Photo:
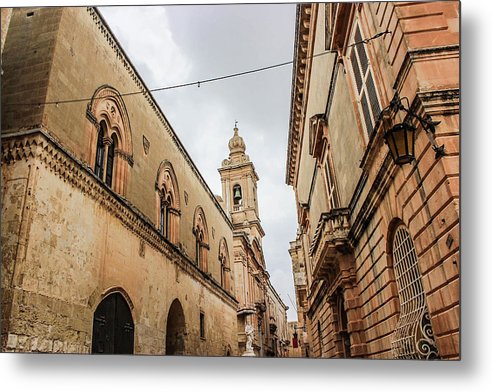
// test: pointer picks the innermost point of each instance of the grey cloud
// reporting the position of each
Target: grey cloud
(199, 42)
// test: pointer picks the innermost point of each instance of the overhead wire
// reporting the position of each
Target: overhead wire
(198, 82)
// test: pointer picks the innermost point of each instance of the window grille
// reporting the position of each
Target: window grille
(413, 337)
(364, 82)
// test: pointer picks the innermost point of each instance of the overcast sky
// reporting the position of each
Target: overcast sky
(178, 44)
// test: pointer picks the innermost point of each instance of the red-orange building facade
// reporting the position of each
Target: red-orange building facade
(377, 253)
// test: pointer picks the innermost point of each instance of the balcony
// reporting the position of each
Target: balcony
(330, 241)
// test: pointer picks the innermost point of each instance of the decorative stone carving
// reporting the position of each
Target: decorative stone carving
(250, 335)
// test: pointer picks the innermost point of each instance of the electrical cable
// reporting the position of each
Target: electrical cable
(198, 83)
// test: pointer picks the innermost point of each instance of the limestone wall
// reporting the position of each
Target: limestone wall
(79, 245)
(75, 54)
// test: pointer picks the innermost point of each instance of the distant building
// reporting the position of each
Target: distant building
(112, 242)
(376, 258)
(259, 304)
(297, 348)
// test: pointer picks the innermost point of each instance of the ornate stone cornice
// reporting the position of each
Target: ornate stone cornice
(302, 37)
(38, 145)
(424, 54)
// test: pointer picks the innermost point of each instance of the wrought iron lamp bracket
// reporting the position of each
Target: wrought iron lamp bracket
(426, 122)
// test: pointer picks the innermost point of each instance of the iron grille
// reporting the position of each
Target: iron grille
(413, 337)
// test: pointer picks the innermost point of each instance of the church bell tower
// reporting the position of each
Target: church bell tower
(239, 190)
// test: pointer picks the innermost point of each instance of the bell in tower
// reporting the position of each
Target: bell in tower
(237, 195)
(239, 191)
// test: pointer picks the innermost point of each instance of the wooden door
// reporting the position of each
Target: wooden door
(113, 328)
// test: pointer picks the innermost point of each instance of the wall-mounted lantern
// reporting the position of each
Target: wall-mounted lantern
(400, 137)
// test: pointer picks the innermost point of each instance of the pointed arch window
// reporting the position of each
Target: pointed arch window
(111, 149)
(110, 161)
(225, 270)
(200, 232)
(413, 337)
(167, 202)
(99, 165)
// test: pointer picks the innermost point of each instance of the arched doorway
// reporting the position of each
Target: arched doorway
(112, 327)
(175, 330)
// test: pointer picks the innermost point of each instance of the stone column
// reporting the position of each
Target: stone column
(107, 141)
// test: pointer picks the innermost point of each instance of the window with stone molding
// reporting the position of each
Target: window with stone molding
(167, 202)
(413, 337)
(363, 81)
(111, 147)
(224, 261)
(200, 231)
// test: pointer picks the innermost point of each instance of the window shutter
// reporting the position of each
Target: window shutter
(364, 81)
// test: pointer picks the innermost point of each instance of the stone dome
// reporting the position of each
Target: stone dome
(236, 144)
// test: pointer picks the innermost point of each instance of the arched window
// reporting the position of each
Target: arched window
(110, 160)
(237, 195)
(225, 270)
(167, 199)
(413, 337)
(111, 148)
(200, 231)
(99, 165)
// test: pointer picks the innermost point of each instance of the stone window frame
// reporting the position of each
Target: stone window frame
(108, 121)
(200, 231)
(225, 268)
(167, 199)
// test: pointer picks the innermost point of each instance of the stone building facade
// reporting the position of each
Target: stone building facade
(376, 258)
(259, 304)
(112, 242)
(277, 336)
